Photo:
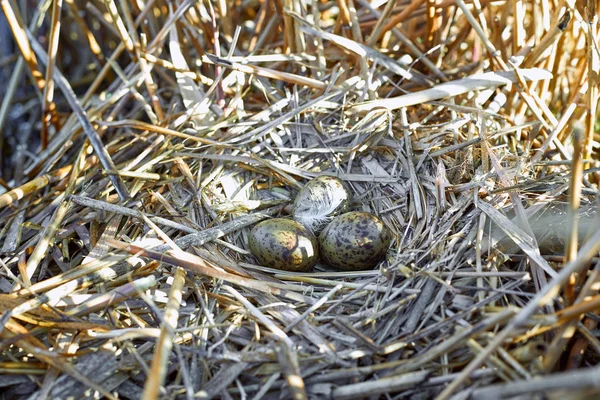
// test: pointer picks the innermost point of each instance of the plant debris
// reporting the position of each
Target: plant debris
(140, 142)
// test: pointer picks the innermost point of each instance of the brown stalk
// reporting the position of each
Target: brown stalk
(15, 22)
(158, 368)
(75, 12)
(398, 19)
(17, 27)
(35, 184)
(376, 33)
(571, 243)
(593, 57)
(548, 40)
(49, 108)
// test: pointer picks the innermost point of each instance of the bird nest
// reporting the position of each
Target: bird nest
(141, 141)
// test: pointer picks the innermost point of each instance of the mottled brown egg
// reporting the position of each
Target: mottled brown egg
(321, 199)
(354, 241)
(284, 244)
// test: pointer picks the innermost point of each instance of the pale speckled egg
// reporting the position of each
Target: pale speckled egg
(354, 241)
(284, 244)
(321, 199)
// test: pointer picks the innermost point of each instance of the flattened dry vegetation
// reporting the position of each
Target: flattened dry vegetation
(140, 141)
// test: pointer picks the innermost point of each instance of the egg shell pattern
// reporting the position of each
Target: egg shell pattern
(354, 241)
(284, 244)
(319, 201)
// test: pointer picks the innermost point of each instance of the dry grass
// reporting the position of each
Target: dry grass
(141, 140)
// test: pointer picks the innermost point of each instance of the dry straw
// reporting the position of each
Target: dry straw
(140, 141)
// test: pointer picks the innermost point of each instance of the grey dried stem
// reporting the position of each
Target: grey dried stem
(142, 141)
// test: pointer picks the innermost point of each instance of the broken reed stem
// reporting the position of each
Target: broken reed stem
(518, 31)
(160, 360)
(400, 17)
(578, 309)
(383, 17)
(49, 108)
(574, 203)
(548, 40)
(36, 184)
(15, 22)
(119, 25)
(582, 342)
(593, 79)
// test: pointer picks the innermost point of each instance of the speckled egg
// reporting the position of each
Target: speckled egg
(354, 241)
(319, 201)
(284, 244)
